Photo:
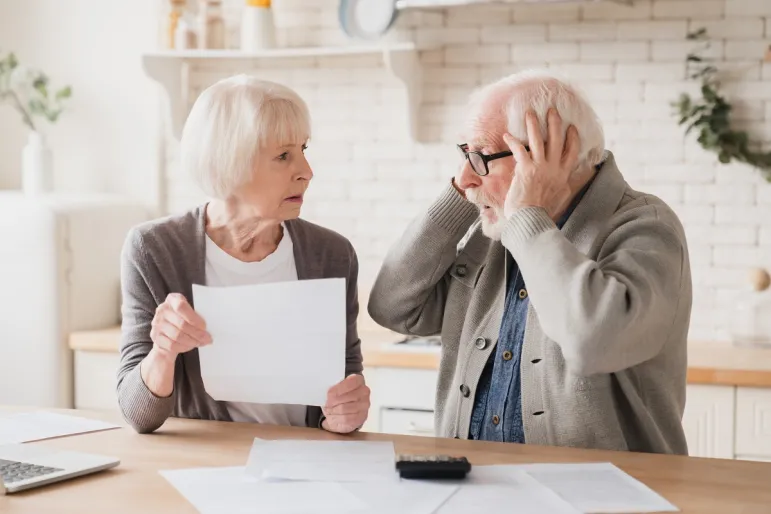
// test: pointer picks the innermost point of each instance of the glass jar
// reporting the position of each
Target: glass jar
(211, 25)
(176, 11)
(751, 317)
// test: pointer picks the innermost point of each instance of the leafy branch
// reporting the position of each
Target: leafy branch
(710, 114)
(28, 91)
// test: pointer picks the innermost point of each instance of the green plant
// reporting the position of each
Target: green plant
(710, 114)
(27, 90)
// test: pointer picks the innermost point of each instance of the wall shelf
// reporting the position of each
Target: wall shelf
(442, 4)
(171, 69)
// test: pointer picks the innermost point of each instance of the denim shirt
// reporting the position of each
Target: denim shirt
(497, 413)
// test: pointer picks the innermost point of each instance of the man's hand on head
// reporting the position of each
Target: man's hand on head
(542, 177)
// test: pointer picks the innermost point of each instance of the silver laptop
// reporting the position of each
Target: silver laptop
(24, 466)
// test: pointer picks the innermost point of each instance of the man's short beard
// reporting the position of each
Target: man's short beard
(493, 230)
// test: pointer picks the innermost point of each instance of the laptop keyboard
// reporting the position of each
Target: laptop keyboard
(12, 471)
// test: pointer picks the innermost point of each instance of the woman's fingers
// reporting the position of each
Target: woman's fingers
(351, 397)
(348, 409)
(176, 327)
(345, 386)
(181, 342)
(163, 342)
(199, 335)
(179, 304)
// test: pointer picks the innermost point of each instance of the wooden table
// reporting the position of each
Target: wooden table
(694, 485)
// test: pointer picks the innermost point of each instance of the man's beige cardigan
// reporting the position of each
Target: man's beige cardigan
(604, 356)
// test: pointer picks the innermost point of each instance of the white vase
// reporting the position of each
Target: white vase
(37, 172)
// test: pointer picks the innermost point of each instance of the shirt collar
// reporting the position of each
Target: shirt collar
(577, 199)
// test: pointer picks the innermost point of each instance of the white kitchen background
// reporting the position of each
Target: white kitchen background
(372, 177)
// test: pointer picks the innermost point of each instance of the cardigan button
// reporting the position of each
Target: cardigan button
(480, 343)
(460, 270)
(465, 391)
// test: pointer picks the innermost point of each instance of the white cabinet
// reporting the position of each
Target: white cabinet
(96, 380)
(720, 421)
(709, 420)
(402, 400)
(60, 273)
(407, 422)
(753, 423)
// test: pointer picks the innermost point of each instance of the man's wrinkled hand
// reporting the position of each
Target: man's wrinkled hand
(542, 178)
(347, 405)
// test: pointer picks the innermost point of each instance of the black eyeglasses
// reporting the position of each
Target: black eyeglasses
(478, 160)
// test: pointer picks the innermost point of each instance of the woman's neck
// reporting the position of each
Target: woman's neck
(241, 232)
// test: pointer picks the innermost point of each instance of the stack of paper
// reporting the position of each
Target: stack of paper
(285, 477)
(34, 426)
(327, 461)
(352, 477)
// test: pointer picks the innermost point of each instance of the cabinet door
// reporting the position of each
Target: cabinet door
(407, 422)
(753, 422)
(709, 420)
(403, 388)
(95, 380)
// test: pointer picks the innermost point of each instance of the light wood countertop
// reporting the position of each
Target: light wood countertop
(713, 363)
(694, 485)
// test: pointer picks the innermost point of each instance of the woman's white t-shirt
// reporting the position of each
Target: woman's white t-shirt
(224, 270)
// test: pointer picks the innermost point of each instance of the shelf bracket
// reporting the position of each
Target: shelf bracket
(173, 75)
(405, 66)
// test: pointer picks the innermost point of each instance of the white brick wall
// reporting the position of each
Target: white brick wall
(371, 179)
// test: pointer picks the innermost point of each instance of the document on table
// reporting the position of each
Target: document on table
(404, 497)
(227, 489)
(500, 487)
(281, 343)
(598, 488)
(34, 426)
(331, 461)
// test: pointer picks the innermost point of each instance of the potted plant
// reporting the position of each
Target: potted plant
(28, 91)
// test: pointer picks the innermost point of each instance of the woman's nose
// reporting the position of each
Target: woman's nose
(306, 173)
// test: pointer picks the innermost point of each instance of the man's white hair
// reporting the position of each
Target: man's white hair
(228, 125)
(538, 90)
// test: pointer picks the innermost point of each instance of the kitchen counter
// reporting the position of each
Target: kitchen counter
(714, 363)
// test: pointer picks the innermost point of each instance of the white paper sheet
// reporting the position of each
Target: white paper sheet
(34, 426)
(404, 497)
(598, 488)
(279, 343)
(227, 490)
(496, 488)
(334, 461)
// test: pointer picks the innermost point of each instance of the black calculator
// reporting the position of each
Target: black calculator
(432, 466)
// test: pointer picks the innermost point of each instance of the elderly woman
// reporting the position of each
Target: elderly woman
(244, 143)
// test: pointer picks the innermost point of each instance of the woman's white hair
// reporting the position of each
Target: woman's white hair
(538, 90)
(229, 123)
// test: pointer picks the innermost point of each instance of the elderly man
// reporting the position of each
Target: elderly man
(562, 295)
